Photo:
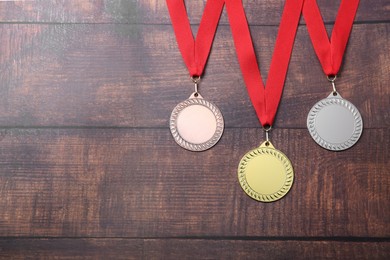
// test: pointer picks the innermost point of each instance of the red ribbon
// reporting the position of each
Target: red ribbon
(195, 52)
(330, 53)
(265, 100)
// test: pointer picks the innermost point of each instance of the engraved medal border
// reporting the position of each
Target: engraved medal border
(218, 117)
(334, 100)
(288, 171)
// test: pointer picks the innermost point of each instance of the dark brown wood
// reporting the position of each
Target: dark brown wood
(241, 249)
(72, 249)
(89, 170)
(133, 76)
(155, 12)
(189, 249)
(138, 182)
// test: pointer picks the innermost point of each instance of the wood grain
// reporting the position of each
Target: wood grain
(189, 249)
(133, 76)
(71, 249)
(265, 12)
(89, 170)
(138, 182)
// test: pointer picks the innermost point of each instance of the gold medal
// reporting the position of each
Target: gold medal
(265, 173)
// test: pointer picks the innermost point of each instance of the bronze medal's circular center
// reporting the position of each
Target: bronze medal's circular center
(196, 124)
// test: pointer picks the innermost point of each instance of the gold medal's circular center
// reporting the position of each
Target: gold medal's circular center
(196, 124)
(265, 174)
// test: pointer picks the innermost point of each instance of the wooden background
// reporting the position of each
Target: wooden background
(89, 169)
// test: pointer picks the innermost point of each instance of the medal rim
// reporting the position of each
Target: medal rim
(329, 101)
(188, 145)
(289, 172)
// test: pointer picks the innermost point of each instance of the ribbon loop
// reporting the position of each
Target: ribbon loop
(265, 99)
(330, 52)
(195, 51)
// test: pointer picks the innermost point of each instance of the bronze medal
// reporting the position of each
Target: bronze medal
(196, 124)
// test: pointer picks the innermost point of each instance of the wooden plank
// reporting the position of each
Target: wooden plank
(89, 170)
(139, 183)
(133, 76)
(71, 249)
(238, 249)
(189, 249)
(155, 11)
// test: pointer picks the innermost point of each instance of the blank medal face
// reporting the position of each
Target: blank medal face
(265, 174)
(335, 123)
(196, 124)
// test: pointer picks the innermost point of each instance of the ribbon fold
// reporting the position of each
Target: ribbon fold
(330, 52)
(195, 51)
(265, 99)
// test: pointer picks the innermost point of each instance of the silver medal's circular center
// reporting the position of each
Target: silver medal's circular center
(196, 124)
(335, 123)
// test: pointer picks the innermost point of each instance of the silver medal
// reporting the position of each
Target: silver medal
(335, 123)
(196, 124)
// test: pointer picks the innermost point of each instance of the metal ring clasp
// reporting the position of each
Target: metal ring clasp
(267, 128)
(196, 80)
(332, 79)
